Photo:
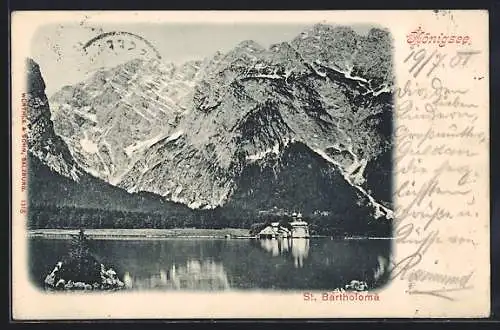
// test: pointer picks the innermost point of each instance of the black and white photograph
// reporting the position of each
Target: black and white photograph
(210, 157)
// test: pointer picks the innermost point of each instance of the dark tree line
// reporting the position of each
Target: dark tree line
(66, 217)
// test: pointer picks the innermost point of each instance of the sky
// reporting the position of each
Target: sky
(58, 49)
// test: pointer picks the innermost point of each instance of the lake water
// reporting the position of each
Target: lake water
(219, 264)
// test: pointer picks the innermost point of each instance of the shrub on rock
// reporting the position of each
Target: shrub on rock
(80, 270)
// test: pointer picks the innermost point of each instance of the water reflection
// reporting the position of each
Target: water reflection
(381, 268)
(208, 264)
(300, 251)
(195, 274)
(299, 248)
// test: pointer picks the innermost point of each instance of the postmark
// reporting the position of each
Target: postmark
(116, 43)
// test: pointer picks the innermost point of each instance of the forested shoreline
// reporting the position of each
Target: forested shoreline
(67, 217)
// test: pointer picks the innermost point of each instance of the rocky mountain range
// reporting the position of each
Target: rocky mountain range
(56, 179)
(110, 118)
(302, 126)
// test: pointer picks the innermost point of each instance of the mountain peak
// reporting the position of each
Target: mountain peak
(34, 77)
(281, 46)
(250, 45)
(43, 143)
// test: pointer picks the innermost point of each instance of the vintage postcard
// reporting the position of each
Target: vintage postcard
(253, 164)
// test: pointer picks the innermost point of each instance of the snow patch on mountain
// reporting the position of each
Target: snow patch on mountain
(89, 146)
(142, 145)
(175, 136)
(275, 149)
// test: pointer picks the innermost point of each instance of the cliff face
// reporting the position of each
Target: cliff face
(252, 102)
(43, 142)
(55, 179)
(110, 118)
(303, 126)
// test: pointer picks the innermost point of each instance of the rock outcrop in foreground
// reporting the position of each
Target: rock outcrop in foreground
(80, 270)
(109, 280)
